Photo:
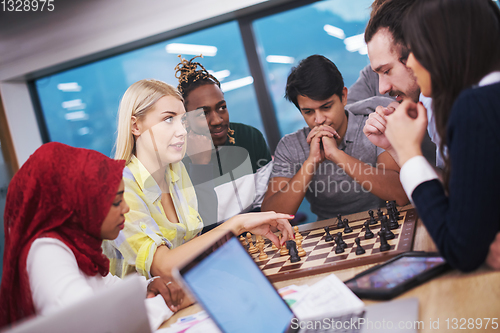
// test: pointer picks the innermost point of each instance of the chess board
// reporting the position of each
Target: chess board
(321, 257)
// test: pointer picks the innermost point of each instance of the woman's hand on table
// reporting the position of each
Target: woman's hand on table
(171, 292)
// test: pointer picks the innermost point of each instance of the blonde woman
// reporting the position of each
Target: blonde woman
(163, 221)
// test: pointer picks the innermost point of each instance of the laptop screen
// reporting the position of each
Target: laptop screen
(236, 293)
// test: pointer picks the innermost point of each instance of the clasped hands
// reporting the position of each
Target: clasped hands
(398, 128)
(322, 143)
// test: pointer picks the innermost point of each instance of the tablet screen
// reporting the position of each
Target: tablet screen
(395, 273)
(236, 293)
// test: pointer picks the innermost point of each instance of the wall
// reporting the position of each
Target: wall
(35, 43)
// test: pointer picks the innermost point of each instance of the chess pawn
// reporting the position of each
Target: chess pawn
(340, 224)
(372, 218)
(243, 241)
(340, 240)
(251, 248)
(284, 250)
(380, 214)
(368, 233)
(385, 228)
(359, 249)
(347, 228)
(273, 247)
(300, 250)
(262, 255)
(328, 237)
(384, 246)
(297, 233)
(339, 248)
(258, 239)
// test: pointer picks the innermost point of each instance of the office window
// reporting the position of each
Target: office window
(80, 105)
(333, 28)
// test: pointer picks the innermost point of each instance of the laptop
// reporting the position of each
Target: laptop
(232, 289)
(120, 309)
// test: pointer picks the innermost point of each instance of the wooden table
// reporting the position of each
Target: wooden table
(452, 298)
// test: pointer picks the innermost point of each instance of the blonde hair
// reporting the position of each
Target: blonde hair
(137, 101)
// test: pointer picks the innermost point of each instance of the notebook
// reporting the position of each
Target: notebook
(120, 309)
(232, 289)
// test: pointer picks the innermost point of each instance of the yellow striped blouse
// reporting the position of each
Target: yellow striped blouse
(146, 224)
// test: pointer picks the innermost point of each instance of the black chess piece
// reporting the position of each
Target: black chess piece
(388, 206)
(328, 237)
(339, 248)
(394, 209)
(292, 250)
(347, 228)
(392, 205)
(380, 214)
(359, 249)
(384, 246)
(393, 221)
(368, 233)
(340, 240)
(340, 224)
(372, 218)
(391, 211)
(387, 231)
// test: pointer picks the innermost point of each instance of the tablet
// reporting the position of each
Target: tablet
(397, 275)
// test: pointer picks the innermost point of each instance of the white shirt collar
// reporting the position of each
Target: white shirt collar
(491, 78)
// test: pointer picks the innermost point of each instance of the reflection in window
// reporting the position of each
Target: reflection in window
(333, 28)
(80, 105)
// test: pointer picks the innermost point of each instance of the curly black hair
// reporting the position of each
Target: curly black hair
(190, 77)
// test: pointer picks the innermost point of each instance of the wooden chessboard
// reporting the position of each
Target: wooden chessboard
(321, 257)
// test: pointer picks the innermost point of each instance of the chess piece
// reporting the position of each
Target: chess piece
(380, 214)
(297, 233)
(339, 248)
(393, 221)
(300, 250)
(394, 210)
(347, 228)
(384, 246)
(340, 224)
(251, 248)
(258, 239)
(283, 251)
(292, 249)
(243, 241)
(273, 247)
(372, 218)
(368, 233)
(359, 249)
(387, 231)
(328, 237)
(262, 255)
(340, 240)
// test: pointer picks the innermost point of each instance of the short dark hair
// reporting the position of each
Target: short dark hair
(390, 14)
(315, 77)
